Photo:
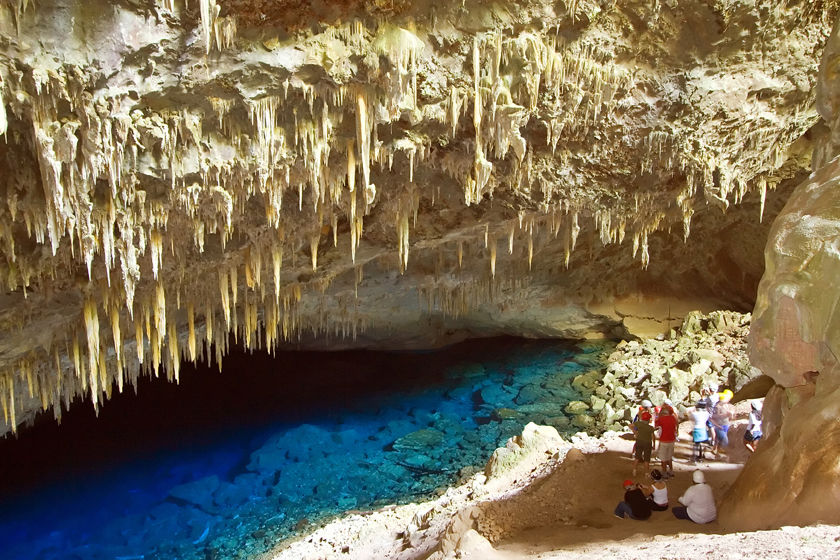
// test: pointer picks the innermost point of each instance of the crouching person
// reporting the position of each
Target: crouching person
(635, 505)
(698, 502)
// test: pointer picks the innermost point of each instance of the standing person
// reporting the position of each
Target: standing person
(667, 422)
(698, 502)
(699, 432)
(711, 400)
(753, 433)
(721, 416)
(635, 504)
(644, 441)
(657, 493)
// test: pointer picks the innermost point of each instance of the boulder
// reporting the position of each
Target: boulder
(420, 439)
(576, 407)
(199, 493)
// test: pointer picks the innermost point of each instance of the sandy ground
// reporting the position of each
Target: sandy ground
(565, 509)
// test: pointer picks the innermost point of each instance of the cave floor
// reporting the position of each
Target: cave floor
(593, 532)
(565, 511)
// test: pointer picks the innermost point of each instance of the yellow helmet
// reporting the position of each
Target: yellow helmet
(726, 395)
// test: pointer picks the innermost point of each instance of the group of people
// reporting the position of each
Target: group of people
(711, 418)
(640, 501)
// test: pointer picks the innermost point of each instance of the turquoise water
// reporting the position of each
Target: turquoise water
(244, 459)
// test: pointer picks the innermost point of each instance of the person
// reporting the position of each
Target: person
(645, 406)
(721, 416)
(698, 502)
(644, 441)
(699, 432)
(711, 399)
(753, 433)
(667, 423)
(657, 493)
(635, 505)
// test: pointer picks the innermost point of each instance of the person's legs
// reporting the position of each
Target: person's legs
(666, 455)
(646, 451)
(656, 507)
(623, 508)
(750, 441)
(722, 441)
(681, 513)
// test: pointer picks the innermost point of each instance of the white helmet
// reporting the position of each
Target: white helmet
(698, 477)
(646, 403)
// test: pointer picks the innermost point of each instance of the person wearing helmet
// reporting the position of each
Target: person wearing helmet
(657, 493)
(669, 425)
(711, 399)
(635, 505)
(753, 433)
(698, 502)
(645, 438)
(699, 432)
(721, 415)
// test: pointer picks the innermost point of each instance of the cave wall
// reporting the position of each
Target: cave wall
(339, 174)
(794, 477)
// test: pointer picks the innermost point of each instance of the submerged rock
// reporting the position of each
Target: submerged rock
(199, 493)
(421, 439)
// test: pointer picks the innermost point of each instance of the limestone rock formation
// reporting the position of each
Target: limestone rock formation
(372, 173)
(794, 477)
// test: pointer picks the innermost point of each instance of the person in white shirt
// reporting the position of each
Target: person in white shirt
(753, 433)
(700, 431)
(698, 502)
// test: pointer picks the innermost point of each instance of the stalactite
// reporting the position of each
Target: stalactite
(92, 329)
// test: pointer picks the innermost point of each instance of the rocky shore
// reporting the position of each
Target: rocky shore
(705, 349)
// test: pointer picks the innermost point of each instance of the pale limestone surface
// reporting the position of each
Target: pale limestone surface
(381, 174)
(794, 477)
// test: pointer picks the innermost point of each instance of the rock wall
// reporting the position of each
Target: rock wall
(794, 477)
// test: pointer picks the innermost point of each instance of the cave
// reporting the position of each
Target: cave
(273, 269)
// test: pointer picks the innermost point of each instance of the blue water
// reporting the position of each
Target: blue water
(245, 459)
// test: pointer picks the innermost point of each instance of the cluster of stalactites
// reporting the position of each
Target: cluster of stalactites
(293, 144)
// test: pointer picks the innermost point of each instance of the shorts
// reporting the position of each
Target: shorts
(700, 435)
(666, 451)
(643, 449)
(722, 435)
(750, 436)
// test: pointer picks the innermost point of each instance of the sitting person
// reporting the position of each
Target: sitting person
(698, 502)
(657, 493)
(635, 505)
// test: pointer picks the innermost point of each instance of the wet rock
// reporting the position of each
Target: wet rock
(500, 414)
(576, 407)
(548, 409)
(230, 495)
(199, 492)
(420, 439)
(497, 395)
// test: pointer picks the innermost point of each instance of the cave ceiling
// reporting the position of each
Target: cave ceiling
(333, 173)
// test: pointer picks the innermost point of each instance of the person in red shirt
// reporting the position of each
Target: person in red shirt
(667, 420)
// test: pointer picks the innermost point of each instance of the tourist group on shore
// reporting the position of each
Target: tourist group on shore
(710, 417)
